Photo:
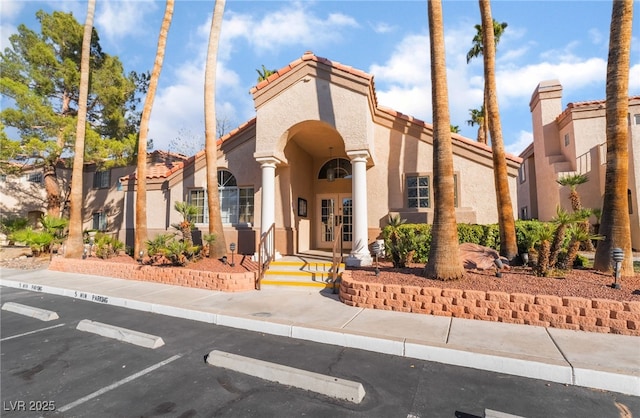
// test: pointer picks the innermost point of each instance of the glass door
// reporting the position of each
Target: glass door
(332, 210)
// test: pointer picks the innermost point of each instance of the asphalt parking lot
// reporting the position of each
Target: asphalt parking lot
(52, 369)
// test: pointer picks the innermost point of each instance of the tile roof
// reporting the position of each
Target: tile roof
(161, 164)
(166, 169)
(171, 162)
(588, 103)
(310, 56)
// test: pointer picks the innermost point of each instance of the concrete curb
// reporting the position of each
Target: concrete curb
(564, 373)
(285, 375)
(37, 313)
(120, 334)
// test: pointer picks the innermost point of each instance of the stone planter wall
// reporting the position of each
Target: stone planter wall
(180, 276)
(595, 315)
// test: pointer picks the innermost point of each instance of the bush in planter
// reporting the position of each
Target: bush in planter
(38, 241)
(209, 239)
(107, 246)
(10, 225)
(57, 227)
(177, 252)
(406, 242)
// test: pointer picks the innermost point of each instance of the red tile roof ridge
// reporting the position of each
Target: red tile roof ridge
(310, 56)
(454, 136)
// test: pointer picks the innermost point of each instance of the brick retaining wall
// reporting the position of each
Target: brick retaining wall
(595, 315)
(180, 276)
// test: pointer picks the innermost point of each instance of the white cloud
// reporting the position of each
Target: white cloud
(10, 9)
(596, 37)
(382, 27)
(117, 20)
(180, 105)
(634, 79)
(524, 139)
(292, 25)
(515, 84)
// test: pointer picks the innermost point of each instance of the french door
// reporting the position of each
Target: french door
(332, 210)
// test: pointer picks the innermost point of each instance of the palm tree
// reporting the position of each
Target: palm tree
(615, 225)
(141, 173)
(264, 73)
(545, 235)
(573, 181)
(75, 241)
(475, 51)
(477, 118)
(219, 247)
(188, 212)
(506, 221)
(444, 255)
(562, 220)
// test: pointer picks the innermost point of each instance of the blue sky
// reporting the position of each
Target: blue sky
(564, 40)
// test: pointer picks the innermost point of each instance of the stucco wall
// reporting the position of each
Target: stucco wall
(311, 98)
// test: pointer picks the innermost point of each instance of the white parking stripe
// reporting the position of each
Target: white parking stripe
(30, 332)
(118, 383)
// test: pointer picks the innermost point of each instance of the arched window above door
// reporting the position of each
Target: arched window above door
(336, 168)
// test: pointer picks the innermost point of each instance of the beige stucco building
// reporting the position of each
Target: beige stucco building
(568, 141)
(321, 150)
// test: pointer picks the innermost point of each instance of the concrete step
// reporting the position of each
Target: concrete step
(313, 266)
(280, 282)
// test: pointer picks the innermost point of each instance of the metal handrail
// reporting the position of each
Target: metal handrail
(336, 259)
(266, 253)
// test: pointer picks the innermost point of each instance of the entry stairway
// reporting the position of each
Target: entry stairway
(311, 269)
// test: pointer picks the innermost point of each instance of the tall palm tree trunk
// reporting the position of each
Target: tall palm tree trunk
(74, 242)
(506, 221)
(615, 224)
(141, 173)
(444, 255)
(219, 246)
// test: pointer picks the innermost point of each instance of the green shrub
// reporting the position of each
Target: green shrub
(406, 242)
(178, 252)
(107, 246)
(10, 225)
(38, 241)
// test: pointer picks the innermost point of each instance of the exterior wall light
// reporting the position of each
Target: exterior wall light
(377, 249)
(499, 266)
(232, 247)
(617, 255)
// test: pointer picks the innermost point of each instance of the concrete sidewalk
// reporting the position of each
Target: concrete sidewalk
(600, 361)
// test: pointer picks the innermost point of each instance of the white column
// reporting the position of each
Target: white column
(268, 203)
(360, 255)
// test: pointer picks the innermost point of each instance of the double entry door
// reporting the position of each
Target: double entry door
(334, 209)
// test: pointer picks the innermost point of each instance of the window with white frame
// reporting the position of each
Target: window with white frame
(100, 221)
(197, 198)
(101, 179)
(524, 212)
(418, 192)
(236, 203)
(636, 118)
(522, 172)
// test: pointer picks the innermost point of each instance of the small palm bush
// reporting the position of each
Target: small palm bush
(107, 246)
